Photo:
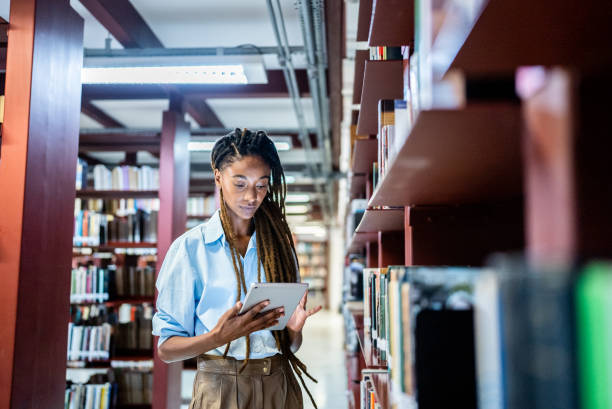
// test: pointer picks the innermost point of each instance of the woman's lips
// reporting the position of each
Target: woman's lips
(249, 209)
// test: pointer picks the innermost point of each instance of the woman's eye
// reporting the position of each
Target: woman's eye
(262, 187)
(240, 186)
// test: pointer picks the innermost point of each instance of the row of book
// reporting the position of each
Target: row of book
(120, 329)
(504, 336)
(135, 387)
(201, 206)
(125, 178)
(313, 271)
(88, 343)
(390, 138)
(95, 229)
(307, 259)
(385, 53)
(89, 283)
(89, 396)
(117, 207)
(310, 247)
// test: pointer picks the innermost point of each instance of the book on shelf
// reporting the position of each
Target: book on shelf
(95, 229)
(385, 53)
(135, 386)
(134, 281)
(88, 343)
(201, 206)
(81, 174)
(89, 396)
(125, 178)
(386, 123)
(90, 283)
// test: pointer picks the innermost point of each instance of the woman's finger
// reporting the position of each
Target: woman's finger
(314, 310)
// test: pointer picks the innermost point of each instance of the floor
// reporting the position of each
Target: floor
(322, 351)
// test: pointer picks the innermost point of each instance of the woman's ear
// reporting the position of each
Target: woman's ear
(217, 178)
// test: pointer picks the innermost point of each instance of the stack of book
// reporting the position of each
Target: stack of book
(390, 138)
(125, 178)
(89, 283)
(383, 53)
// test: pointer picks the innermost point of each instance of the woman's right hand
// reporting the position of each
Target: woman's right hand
(232, 326)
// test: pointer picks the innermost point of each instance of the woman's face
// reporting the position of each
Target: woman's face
(245, 184)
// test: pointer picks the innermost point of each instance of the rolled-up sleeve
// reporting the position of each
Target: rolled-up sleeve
(175, 307)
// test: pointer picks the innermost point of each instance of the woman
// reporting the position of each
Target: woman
(206, 273)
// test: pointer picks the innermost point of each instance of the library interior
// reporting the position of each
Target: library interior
(441, 188)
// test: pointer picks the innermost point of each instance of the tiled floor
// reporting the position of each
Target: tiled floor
(323, 353)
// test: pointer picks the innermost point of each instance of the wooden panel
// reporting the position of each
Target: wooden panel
(357, 186)
(37, 173)
(377, 220)
(173, 192)
(372, 253)
(116, 194)
(381, 80)
(463, 235)
(363, 22)
(391, 248)
(365, 153)
(361, 56)
(359, 241)
(456, 156)
(547, 32)
(392, 23)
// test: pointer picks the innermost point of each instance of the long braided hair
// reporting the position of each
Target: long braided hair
(275, 246)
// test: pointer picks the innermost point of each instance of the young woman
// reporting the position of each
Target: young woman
(208, 270)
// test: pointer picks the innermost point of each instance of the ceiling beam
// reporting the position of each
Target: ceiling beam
(124, 22)
(99, 116)
(275, 88)
(202, 113)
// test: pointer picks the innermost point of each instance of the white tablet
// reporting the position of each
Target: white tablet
(286, 295)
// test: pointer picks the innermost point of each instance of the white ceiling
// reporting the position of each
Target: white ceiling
(197, 23)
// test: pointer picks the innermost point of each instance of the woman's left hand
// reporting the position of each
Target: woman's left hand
(298, 319)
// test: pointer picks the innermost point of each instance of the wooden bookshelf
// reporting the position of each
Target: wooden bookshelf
(392, 23)
(358, 241)
(111, 245)
(507, 35)
(381, 80)
(375, 220)
(363, 22)
(361, 56)
(357, 184)
(456, 156)
(117, 194)
(364, 154)
(199, 216)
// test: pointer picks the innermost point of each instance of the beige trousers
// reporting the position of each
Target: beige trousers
(267, 383)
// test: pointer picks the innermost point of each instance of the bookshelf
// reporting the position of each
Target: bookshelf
(116, 194)
(512, 162)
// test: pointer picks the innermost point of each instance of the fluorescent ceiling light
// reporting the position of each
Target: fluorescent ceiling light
(281, 143)
(174, 69)
(289, 179)
(297, 218)
(297, 198)
(203, 74)
(297, 209)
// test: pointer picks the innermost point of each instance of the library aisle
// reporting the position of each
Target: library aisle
(439, 169)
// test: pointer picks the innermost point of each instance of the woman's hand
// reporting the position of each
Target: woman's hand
(298, 319)
(232, 326)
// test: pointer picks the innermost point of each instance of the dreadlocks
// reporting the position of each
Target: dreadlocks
(275, 247)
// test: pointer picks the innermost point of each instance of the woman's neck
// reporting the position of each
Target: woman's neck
(240, 227)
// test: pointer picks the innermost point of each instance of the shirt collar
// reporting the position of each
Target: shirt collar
(213, 231)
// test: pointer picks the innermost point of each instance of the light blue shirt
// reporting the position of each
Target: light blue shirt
(197, 284)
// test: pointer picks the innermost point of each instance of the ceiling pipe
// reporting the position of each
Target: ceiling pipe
(284, 57)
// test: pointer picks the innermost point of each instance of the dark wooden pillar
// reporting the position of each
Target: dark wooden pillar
(37, 183)
(173, 191)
